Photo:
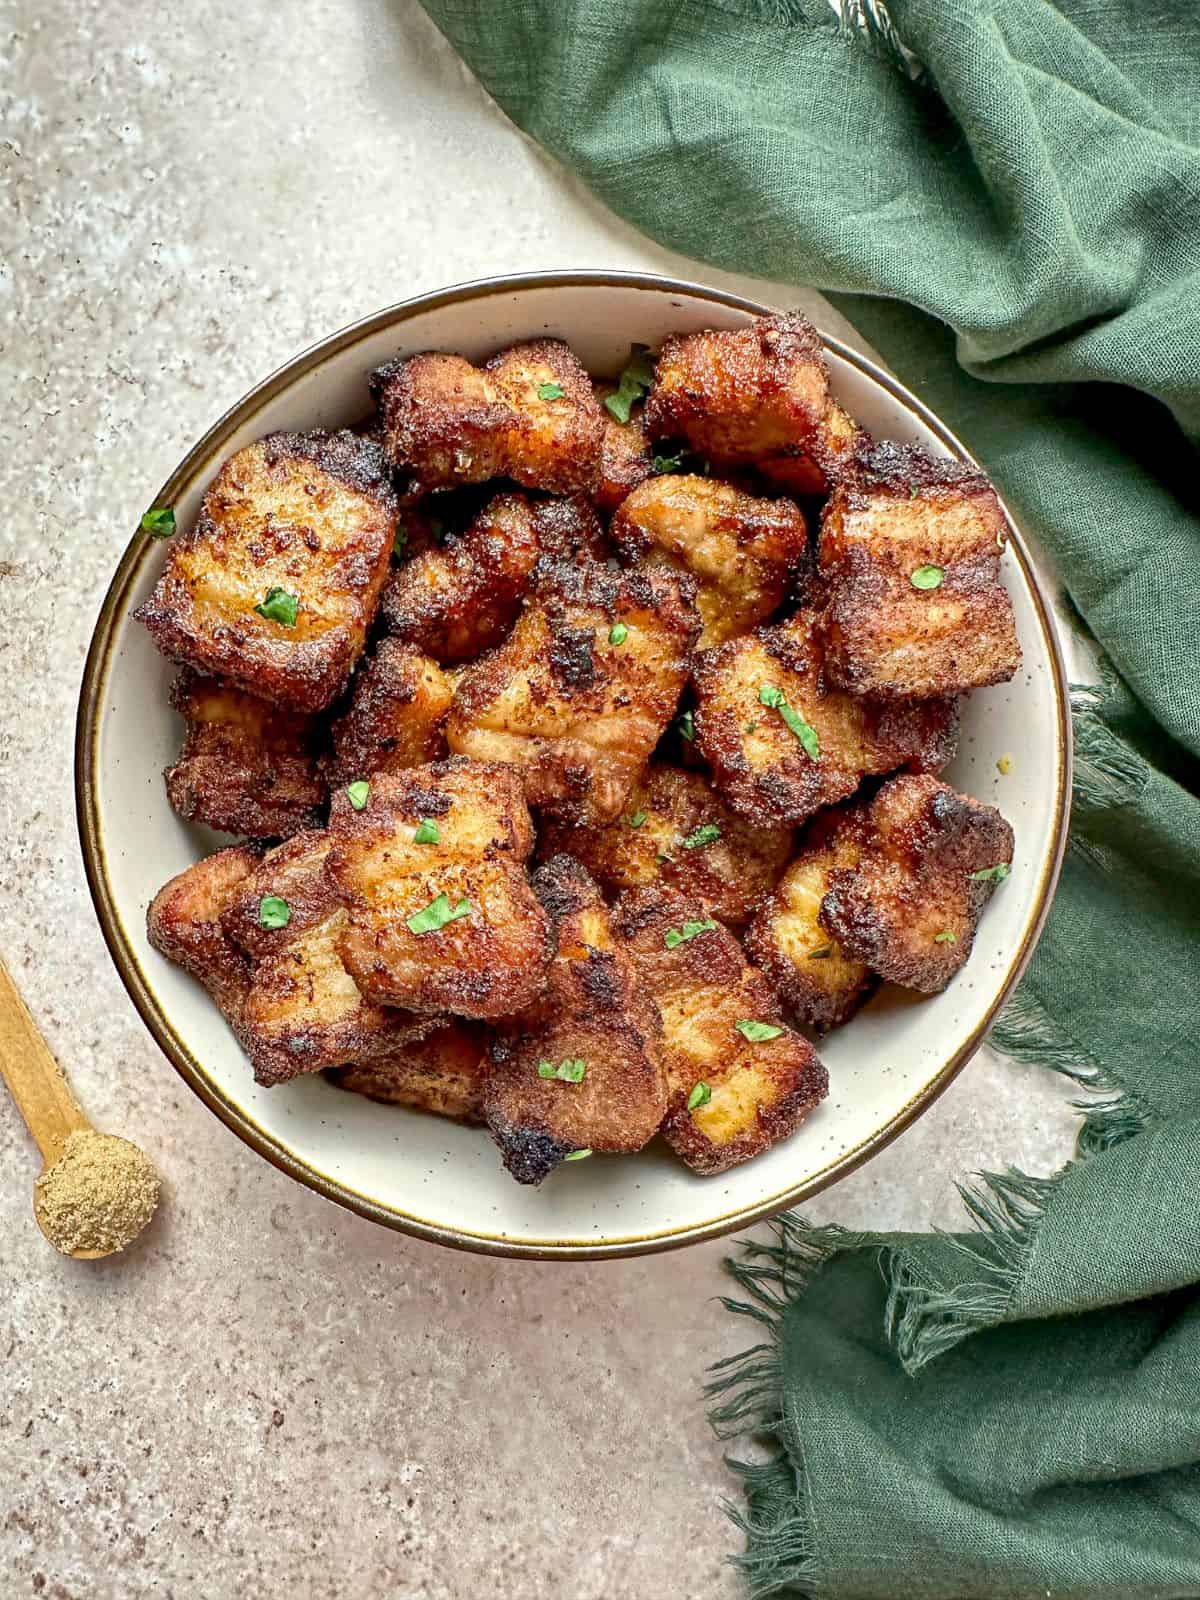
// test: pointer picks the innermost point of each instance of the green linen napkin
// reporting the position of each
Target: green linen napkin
(1008, 207)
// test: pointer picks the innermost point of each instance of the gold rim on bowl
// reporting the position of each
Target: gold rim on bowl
(146, 1001)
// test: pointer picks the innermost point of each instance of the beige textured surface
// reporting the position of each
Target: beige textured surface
(269, 1396)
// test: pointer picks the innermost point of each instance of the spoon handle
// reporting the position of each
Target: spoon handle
(34, 1078)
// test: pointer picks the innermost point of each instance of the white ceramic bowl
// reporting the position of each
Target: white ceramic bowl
(431, 1177)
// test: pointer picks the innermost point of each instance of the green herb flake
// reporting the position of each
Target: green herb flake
(821, 953)
(578, 1155)
(996, 874)
(1004, 766)
(273, 912)
(772, 696)
(674, 937)
(618, 633)
(399, 540)
(550, 391)
(757, 1032)
(687, 726)
(633, 383)
(663, 856)
(945, 937)
(279, 606)
(159, 522)
(636, 820)
(664, 464)
(427, 832)
(707, 833)
(700, 1096)
(437, 914)
(358, 794)
(928, 577)
(570, 1071)
(750, 727)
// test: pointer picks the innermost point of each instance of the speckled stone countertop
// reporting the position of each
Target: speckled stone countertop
(269, 1395)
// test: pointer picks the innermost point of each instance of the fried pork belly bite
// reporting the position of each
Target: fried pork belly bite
(456, 601)
(246, 767)
(675, 829)
(275, 586)
(806, 745)
(302, 1011)
(431, 872)
(183, 923)
(751, 1081)
(930, 860)
(625, 455)
(910, 548)
(758, 397)
(444, 1074)
(583, 1069)
(741, 549)
(528, 414)
(819, 984)
(580, 691)
(396, 717)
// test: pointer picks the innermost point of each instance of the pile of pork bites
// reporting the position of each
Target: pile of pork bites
(599, 724)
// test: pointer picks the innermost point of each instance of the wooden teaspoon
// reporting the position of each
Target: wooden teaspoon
(53, 1116)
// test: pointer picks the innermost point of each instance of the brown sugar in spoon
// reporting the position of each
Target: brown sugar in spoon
(96, 1192)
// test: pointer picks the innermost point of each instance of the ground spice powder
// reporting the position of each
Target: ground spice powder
(98, 1195)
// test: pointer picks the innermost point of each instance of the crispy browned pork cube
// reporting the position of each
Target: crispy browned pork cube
(580, 691)
(528, 414)
(456, 601)
(275, 586)
(396, 717)
(676, 829)
(246, 767)
(444, 1074)
(302, 1011)
(738, 1077)
(625, 455)
(431, 871)
(740, 549)
(583, 1069)
(910, 548)
(782, 742)
(930, 859)
(183, 923)
(755, 397)
(819, 984)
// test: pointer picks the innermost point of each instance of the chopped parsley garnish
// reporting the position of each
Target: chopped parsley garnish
(636, 820)
(674, 937)
(570, 1071)
(757, 1031)
(750, 727)
(279, 606)
(996, 874)
(273, 912)
(821, 953)
(706, 833)
(159, 522)
(700, 1096)
(437, 914)
(926, 577)
(687, 726)
(1004, 766)
(578, 1155)
(358, 793)
(550, 391)
(427, 832)
(771, 695)
(663, 464)
(618, 633)
(399, 540)
(633, 383)
(945, 937)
